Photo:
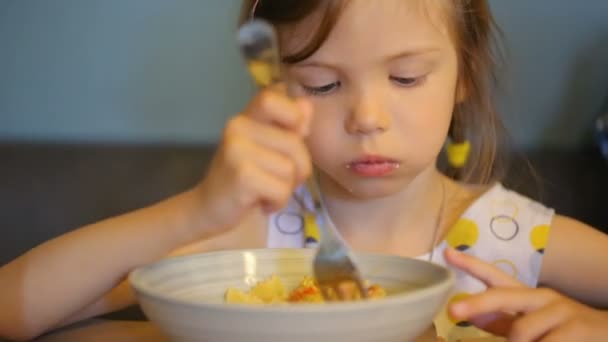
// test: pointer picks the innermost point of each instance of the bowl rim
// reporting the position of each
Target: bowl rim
(135, 276)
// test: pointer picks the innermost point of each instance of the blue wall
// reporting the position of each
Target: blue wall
(558, 69)
(168, 70)
(129, 70)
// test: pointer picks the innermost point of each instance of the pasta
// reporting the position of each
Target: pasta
(273, 291)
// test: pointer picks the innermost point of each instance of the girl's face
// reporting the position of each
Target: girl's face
(383, 87)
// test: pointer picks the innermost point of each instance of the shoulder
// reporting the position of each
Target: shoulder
(567, 231)
(571, 240)
(564, 225)
(495, 202)
(575, 261)
(504, 228)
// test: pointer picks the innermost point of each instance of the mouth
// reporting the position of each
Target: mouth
(373, 166)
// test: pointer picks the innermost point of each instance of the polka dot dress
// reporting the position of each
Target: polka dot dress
(501, 227)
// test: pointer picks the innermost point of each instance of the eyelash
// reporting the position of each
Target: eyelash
(322, 90)
(406, 82)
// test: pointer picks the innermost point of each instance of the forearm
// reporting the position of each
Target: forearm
(120, 297)
(55, 280)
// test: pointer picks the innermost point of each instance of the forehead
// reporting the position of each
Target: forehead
(368, 27)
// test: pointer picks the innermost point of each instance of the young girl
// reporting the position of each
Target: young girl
(380, 85)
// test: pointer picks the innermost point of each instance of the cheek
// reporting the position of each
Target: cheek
(423, 137)
(424, 117)
(323, 150)
(432, 116)
(434, 105)
(327, 121)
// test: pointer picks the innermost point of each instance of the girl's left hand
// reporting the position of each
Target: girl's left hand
(509, 308)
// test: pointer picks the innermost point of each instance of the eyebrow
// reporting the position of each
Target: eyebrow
(412, 53)
(399, 55)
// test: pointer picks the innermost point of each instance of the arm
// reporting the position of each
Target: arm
(576, 261)
(250, 233)
(60, 277)
(260, 160)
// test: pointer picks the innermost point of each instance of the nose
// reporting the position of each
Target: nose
(368, 116)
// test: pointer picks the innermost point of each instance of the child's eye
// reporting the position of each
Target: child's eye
(322, 90)
(407, 81)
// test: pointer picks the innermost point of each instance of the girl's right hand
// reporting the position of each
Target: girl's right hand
(261, 160)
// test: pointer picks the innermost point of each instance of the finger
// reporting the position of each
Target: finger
(275, 107)
(270, 161)
(250, 179)
(488, 274)
(277, 165)
(570, 331)
(286, 143)
(259, 187)
(274, 163)
(497, 323)
(506, 300)
(306, 109)
(536, 324)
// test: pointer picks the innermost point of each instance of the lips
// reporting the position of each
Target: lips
(373, 166)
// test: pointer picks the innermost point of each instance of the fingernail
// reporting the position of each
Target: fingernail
(458, 309)
(454, 251)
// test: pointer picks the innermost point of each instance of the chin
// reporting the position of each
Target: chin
(370, 188)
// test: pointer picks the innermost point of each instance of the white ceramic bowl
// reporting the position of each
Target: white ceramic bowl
(184, 297)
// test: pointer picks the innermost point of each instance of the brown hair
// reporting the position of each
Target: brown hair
(474, 118)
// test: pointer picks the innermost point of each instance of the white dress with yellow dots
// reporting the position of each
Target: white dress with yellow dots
(501, 227)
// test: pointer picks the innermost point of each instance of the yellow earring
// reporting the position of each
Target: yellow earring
(458, 153)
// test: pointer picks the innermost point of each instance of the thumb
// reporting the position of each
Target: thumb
(306, 109)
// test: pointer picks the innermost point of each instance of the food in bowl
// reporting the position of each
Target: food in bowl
(273, 291)
(185, 297)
